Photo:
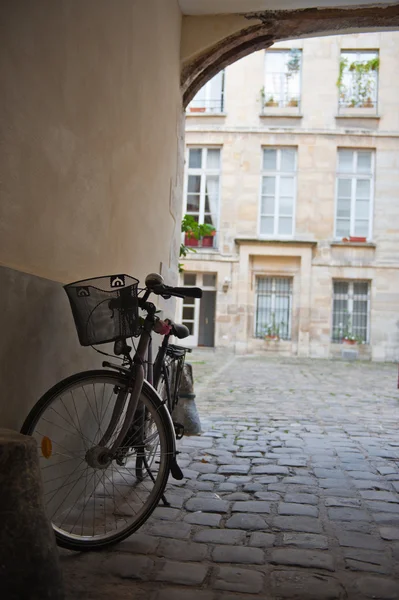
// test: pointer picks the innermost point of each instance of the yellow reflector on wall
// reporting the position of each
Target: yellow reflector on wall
(47, 447)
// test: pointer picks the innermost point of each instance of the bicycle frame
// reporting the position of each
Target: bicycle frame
(135, 384)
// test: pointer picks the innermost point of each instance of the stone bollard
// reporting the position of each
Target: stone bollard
(29, 566)
(186, 411)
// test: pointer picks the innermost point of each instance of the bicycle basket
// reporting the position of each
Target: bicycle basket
(104, 309)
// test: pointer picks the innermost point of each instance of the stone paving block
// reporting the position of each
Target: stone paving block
(359, 540)
(270, 470)
(292, 462)
(386, 519)
(239, 580)
(129, 567)
(301, 480)
(306, 510)
(203, 486)
(184, 551)
(238, 554)
(377, 587)
(270, 496)
(301, 498)
(212, 477)
(166, 513)
(302, 558)
(227, 487)
(170, 529)
(237, 496)
(262, 540)
(300, 585)
(200, 518)
(264, 481)
(239, 479)
(251, 506)
(329, 473)
(238, 469)
(303, 524)
(347, 514)
(306, 540)
(247, 522)
(367, 560)
(389, 533)
(380, 495)
(366, 484)
(213, 505)
(343, 502)
(220, 536)
(182, 572)
(377, 506)
(139, 543)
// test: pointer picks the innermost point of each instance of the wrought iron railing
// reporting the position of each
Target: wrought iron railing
(210, 105)
(284, 100)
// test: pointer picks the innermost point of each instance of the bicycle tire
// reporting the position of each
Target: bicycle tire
(72, 539)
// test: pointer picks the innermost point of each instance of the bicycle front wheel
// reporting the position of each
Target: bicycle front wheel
(94, 505)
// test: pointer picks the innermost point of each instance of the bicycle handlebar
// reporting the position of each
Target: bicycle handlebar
(180, 292)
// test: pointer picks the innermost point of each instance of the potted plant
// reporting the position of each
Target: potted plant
(348, 337)
(197, 109)
(293, 102)
(272, 329)
(271, 102)
(207, 240)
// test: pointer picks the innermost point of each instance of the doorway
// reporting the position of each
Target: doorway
(199, 314)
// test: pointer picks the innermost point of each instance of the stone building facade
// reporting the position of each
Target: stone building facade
(293, 157)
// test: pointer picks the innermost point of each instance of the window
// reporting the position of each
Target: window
(358, 79)
(210, 98)
(203, 182)
(273, 307)
(278, 192)
(354, 194)
(351, 307)
(282, 78)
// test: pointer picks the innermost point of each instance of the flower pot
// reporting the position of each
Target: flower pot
(271, 103)
(273, 338)
(349, 342)
(197, 109)
(368, 104)
(357, 239)
(207, 241)
(293, 103)
(190, 241)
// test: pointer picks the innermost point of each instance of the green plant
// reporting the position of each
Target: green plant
(262, 95)
(347, 331)
(195, 230)
(294, 62)
(363, 80)
(272, 329)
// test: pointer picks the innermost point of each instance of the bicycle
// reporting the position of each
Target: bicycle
(105, 438)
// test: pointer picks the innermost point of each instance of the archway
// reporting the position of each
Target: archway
(274, 26)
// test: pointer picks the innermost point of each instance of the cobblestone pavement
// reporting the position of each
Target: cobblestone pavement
(291, 492)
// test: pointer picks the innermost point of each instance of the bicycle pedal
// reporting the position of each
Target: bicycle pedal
(179, 430)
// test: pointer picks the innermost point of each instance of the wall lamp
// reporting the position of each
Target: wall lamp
(226, 284)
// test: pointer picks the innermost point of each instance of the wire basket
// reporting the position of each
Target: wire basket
(105, 309)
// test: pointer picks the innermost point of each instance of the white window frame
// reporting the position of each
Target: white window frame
(283, 102)
(208, 97)
(203, 172)
(351, 294)
(357, 57)
(273, 300)
(278, 174)
(354, 175)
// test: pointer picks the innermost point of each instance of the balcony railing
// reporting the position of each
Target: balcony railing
(210, 105)
(347, 104)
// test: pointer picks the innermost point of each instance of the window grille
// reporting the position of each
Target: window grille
(351, 308)
(273, 307)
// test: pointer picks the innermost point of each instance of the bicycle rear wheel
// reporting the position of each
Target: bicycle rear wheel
(93, 506)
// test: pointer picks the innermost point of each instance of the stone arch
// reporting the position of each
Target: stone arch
(280, 25)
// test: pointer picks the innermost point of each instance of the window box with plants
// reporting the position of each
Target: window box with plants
(195, 234)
